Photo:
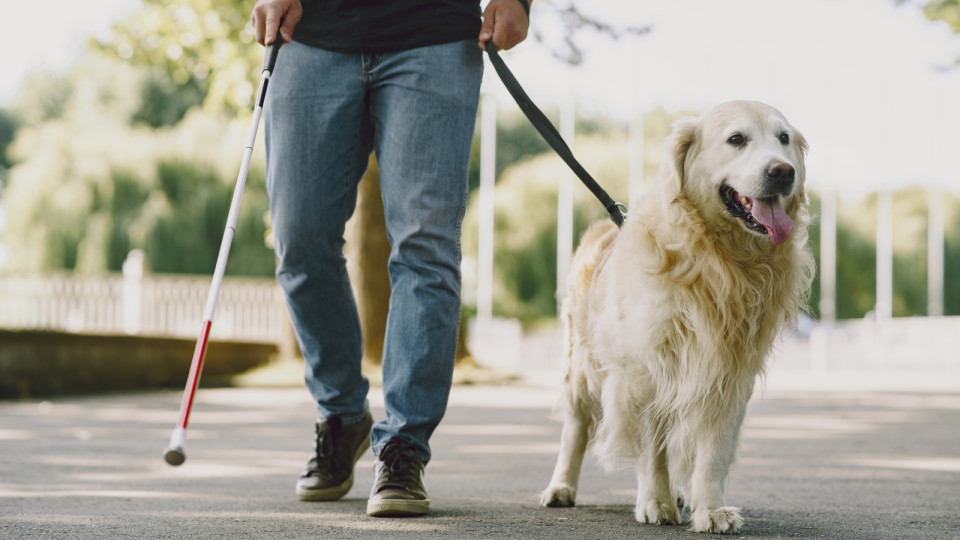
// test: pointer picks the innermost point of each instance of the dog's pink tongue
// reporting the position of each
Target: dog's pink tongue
(771, 215)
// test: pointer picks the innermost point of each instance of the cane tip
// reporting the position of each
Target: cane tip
(174, 456)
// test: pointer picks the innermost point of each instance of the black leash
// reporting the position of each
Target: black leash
(616, 210)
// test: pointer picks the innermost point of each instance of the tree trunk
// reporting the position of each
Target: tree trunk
(367, 251)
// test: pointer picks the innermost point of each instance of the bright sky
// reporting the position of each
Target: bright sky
(858, 77)
(51, 34)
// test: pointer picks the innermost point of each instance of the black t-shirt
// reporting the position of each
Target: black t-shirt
(386, 25)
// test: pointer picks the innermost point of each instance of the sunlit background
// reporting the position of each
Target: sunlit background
(122, 123)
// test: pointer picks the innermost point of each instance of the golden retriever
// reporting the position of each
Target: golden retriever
(668, 321)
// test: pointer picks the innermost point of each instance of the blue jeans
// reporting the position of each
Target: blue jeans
(324, 114)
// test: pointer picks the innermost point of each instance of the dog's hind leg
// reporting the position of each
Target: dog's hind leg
(577, 421)
(562, 490)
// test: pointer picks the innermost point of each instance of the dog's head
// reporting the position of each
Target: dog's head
(742, 162)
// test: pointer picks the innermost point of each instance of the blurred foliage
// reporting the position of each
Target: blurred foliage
(525, 220)
(42, 96)
(857, 255)
(909, 251)
(163, 102)
(947, 11)
(205, 48)
(517, 139)
(90, 182)
(951, 256)
(9, 124)
(525, 224)
(117, 154)
(195, 194)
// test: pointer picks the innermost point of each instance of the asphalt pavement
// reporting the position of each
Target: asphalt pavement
(846, 464)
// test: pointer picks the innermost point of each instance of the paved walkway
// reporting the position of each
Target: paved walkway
(846, 465)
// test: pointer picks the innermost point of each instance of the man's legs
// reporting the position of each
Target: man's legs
(423, 105)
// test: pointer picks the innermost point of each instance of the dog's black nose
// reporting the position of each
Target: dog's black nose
(780, 177)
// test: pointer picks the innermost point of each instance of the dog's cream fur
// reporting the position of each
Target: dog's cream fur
(669, 320)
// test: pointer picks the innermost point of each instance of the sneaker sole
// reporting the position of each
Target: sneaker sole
(398, 507)
(335, 492)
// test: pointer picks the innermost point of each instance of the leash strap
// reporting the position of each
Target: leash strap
(616, 210)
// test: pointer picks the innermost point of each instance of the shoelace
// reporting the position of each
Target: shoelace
(323, 449)
(400, 461)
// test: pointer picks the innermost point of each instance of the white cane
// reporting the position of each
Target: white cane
(174, 454)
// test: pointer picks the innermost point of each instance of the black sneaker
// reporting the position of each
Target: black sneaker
(329, 473)
(398, 488)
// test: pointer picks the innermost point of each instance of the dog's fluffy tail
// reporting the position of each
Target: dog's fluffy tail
(592, 251)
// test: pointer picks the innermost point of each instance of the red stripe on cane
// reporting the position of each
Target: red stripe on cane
(195, 368)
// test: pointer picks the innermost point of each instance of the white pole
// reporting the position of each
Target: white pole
(134, 267)
(635, 157)
(488, 164)
(568, 119)
(935, 260)
(828, 258)
(935, 211)
(635, 131)
(821, 337)
(828, 216)
(884, 307)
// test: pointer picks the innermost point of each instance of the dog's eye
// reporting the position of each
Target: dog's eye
(736, 139)
(784, 138)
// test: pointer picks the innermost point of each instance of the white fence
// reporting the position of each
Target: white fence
(914, 344)
(253, 309)
(249, 309)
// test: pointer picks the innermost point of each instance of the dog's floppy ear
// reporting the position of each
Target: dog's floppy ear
(678, 145)
(801, 143)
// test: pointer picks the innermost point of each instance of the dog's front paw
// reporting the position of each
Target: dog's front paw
(661, 513)
(558, 496)
(725, 520)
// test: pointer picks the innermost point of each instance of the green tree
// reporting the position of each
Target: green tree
(857, 254)
(856, 258)
(164, 102)
(90, 182)
(525, 223)
(204, 45)
(951, 286)
(42, 96)
(193, 194)
(8, 129)
(947, 11)
(910, 218)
